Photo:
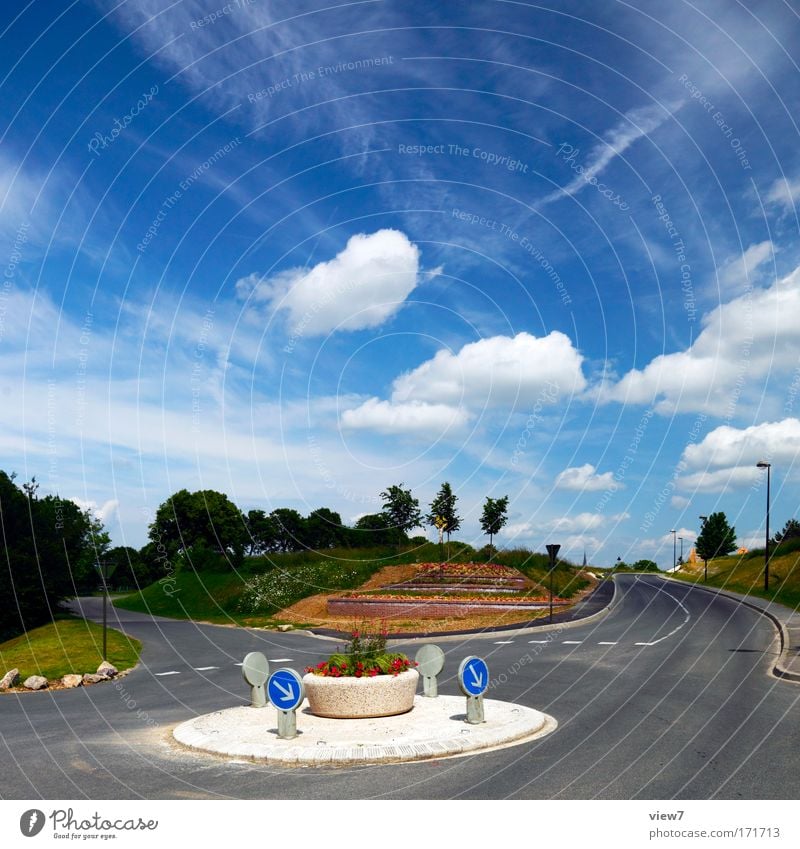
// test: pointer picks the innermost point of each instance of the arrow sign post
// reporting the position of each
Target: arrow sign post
(473, 678)
(552, 551)
(286, 692)
(255, 671)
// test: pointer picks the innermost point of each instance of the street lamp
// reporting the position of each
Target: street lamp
(674, 546)
(763, 464)
(552, 550)
(704, 519)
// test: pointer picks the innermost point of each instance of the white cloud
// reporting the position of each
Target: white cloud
(104, 512)
(679, 502)
(740, 272)
(753, 336)
(784, 192)
(585, 479)
(726, 458)
(499, 371)
(362, 286)
(413, 417)
(635, 124)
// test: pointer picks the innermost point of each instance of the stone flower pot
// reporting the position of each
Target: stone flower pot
(359, 698)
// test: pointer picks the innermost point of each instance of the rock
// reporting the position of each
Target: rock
(70, 681)
(35, 682)
(93, 678)
(10, 679)
(284, 627)
(107, 670)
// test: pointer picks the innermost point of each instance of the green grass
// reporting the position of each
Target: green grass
(266, 585)
(65, 646)
(745, 574)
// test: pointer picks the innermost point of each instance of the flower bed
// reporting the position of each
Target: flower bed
(430, 607)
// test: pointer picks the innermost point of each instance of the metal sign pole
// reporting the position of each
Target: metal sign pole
(552, 550)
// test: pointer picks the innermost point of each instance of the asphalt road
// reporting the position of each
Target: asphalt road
(667, 696)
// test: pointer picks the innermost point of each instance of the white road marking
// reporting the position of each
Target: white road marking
(238, 664)
(279, 659)
(572, 642)
(674, 630)
(540, 642)
(167, 673)
(204, 668)
(606, 644)
(503, 642)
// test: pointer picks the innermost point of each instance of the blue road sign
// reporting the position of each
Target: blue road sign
(285, 689)
(473, 676)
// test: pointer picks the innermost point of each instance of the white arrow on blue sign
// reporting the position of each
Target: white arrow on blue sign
(473, 676)
(285, 689)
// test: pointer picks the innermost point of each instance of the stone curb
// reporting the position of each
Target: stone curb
(779, 670)
(513, 725)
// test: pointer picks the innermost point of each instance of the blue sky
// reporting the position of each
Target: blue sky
(298, 252)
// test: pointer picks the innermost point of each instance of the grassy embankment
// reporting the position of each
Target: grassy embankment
(65, 646)
(744, 573)
(266, 585)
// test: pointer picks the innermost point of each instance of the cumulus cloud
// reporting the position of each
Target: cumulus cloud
(753, 336)
(585, 479)
(413, 417)
(727, 456)
(362, 286)
(499, 371)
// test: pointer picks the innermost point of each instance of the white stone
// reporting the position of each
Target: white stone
(107, 670)
(10, 679)
(35, 682)
(71, 681)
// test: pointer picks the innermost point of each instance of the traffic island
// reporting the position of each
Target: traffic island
(435, 728)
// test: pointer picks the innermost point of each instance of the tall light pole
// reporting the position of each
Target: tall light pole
(763, 464)
(681, 539)
(674, 547)
(704, 519)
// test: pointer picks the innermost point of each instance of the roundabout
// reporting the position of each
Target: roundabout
(435, 728)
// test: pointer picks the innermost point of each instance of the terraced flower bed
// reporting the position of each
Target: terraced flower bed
(447, 589)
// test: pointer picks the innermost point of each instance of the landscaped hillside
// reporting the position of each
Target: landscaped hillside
(744, 573)
(265, 586)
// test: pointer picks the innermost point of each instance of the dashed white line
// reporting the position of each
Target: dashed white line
(503, 642)
(204, 668)
(572, 642)
(650, 644)
(159, 674)
(279, 659)
(540, 642)
(606, 644)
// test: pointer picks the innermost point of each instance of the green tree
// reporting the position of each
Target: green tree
(791, 530)
(495, 515)
(375, 529)
(323, 529)
(43, 541)
(290, 529)
(443, 514)
(646, 566)
(205, 527)
(717, 538)
(262, 531)
(401, 509)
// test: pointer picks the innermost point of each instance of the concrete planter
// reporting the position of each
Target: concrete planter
(359, 698)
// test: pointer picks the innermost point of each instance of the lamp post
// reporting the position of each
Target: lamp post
(674, 548)
(762, 464)
(704, 519)
(552, 550)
